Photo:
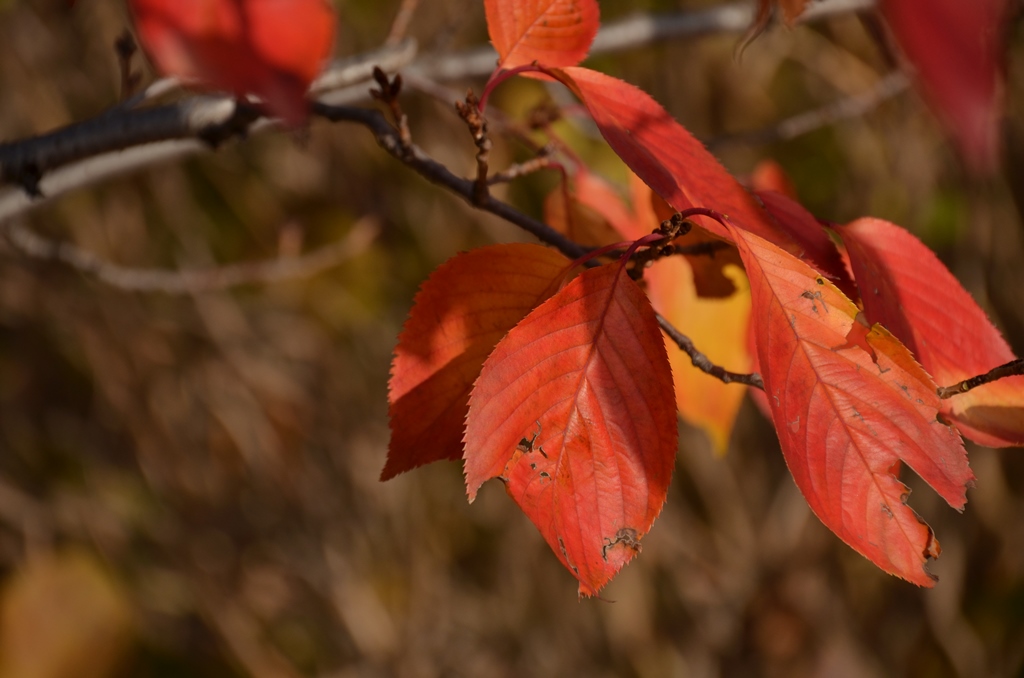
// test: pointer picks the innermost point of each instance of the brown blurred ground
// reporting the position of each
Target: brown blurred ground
(188, 484)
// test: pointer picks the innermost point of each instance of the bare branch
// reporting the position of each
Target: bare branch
(164, 132)
(125, 139)
(186, 281)
(1010, 369)
(703, 363)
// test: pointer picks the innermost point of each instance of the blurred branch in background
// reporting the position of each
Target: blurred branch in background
(186, 281)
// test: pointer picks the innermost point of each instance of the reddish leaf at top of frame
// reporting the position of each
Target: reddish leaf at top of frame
(272, 49)
(574, 411)
(553, 33)
(906, 288)
(850, 403)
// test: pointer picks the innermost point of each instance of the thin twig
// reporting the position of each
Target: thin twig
(703, 363)
(469, 111)
(59, 162)
(1011, 369)
(521, 169)
(390, 89)
(187, 281)
(388, 138)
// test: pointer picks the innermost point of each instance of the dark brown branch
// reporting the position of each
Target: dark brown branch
(390, 140)
(24, 162)
(125, 138)
(1011, 369)
(208, 118)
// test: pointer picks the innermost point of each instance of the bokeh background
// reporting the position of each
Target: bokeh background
(188, 482)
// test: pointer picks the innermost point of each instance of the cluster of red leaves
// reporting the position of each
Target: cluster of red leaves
(270, 48)
(559, 383)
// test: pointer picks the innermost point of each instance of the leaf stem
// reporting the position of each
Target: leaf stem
(1010, 369)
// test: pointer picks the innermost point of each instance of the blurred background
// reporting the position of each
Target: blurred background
(188, 482)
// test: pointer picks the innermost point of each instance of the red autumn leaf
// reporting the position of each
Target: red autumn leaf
(574, 410)
(956, 47)
(553, 33)
(717, 326)
(849, 404)
(819, 251)
(674, 164)
(906, 288)
(467, 305)
(271, 48)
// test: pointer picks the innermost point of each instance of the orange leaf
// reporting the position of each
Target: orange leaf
(956, 49)
(458, 316)
(574, 411)
(271, 48)
(553, 33)
(718, 327)
(906, 288)
(849, 404)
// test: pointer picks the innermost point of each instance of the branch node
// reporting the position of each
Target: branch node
(388, 94)
(126, 49)
(237, 125)
(469, 111)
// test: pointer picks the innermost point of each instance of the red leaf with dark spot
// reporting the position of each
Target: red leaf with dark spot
(574, 410)
(849, 404)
